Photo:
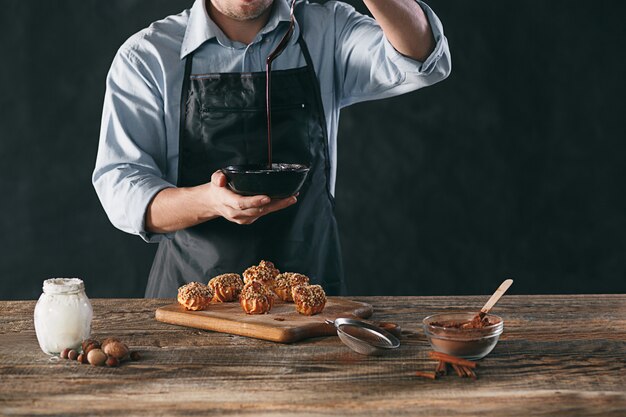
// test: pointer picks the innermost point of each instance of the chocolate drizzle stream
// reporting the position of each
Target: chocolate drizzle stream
(268, 81)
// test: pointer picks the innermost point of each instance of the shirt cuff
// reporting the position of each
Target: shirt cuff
(147, 188)
(406, 64)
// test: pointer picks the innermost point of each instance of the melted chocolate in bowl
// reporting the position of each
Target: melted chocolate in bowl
(446, 334)
(281, 181)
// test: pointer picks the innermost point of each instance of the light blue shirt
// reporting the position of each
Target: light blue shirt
(138, 151)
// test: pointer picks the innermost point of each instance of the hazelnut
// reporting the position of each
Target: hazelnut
(82, 358)
(134, 355)
(96, 357)
(112, 361)
(90, 346)
(116, 349)
(87, 342)
(65, 352)
(72, 354)
(109, 340)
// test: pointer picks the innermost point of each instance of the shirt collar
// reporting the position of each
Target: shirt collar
(200, 27)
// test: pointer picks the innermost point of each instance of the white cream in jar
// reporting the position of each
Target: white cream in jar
(62, 315)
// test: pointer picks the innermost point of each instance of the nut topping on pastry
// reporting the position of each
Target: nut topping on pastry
(309, 299)
(226, 287)
(195, 296)
(256, 298)
(286, 281)
(265, 272)
(269, 265)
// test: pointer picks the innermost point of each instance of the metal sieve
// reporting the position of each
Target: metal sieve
(363, 337)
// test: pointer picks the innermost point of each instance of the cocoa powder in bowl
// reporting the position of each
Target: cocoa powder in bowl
(446, 333)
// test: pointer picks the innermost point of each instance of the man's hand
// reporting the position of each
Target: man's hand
(174, 209)
(239, 209)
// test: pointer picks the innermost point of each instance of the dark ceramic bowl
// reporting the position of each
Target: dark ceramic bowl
(282, 181)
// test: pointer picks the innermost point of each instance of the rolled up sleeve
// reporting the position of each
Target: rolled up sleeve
(374, 69)
(131, 153)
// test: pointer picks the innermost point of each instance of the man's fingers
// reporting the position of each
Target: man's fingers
(218, 178)
(246, 203)
(278, 205)
(269, 208)
(250, 215)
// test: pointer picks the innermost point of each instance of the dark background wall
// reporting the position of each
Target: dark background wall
(513, 167)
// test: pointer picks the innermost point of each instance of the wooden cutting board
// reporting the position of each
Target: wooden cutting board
(282, 324)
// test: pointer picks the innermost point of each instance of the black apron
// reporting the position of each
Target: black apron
(223, 123)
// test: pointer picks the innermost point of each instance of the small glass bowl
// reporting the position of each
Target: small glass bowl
(472, 344)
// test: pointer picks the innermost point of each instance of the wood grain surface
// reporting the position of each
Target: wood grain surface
(282, 324)
(558, 356)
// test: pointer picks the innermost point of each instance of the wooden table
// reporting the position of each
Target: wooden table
(559, 355)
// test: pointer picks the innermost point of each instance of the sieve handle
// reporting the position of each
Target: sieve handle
(329, 322)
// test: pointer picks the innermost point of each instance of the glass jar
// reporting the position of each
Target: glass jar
(62, 315)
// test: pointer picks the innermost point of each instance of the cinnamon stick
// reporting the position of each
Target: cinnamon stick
(452, 359)
(458, 370)
(470, 373)
(442, 368)
(429, 375)
(463, 367)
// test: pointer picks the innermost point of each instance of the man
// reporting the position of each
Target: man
(185, 97)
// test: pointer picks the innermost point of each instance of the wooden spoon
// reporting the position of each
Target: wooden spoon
(495, 297)
(475, 322)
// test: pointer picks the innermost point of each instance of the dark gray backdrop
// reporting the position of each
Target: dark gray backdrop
(513, 167)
